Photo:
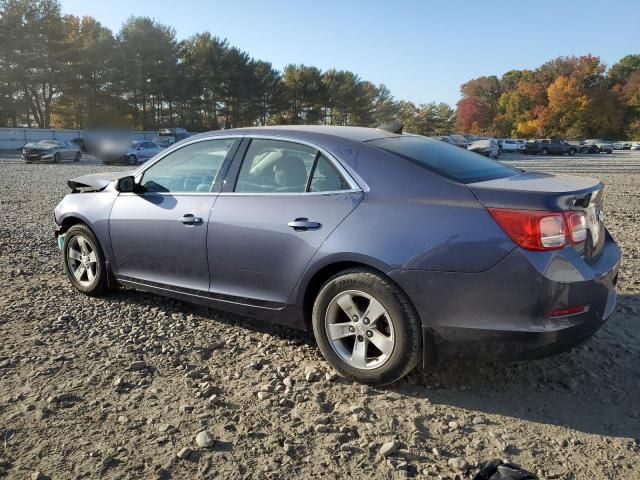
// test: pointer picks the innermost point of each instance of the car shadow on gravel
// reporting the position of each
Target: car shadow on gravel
(593, 388)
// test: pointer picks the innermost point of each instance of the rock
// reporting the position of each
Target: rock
(478, 420)
(204, 440)
(322, 420)
(122, 420)
(393, 396)
(186, 408)
(184, 453)
(264, 395)
(453, 425)
(458, 463)
(272, 466)
(39, 476)
(138, 365)
(331, 376)
(389, 448)
(287, 382)
(165, 427)
(322, 428)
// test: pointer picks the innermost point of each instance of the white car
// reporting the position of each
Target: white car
(635, 146)
(51, 151)
(512, 146)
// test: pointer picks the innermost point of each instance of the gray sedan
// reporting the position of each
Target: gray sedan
(392, 249)
(140, 152)
(51, 151)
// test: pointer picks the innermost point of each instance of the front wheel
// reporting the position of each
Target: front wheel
(544, 151)
(77, 157)
(84, 261)
(366, 328)
(133, 160)
(572, 152)
(57, 158)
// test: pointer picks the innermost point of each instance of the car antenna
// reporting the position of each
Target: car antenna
(393, 127)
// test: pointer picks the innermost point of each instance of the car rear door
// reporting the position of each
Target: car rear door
(281, 201)
(159, 235)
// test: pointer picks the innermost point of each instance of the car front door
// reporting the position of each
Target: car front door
(272, 217)
(158, 234)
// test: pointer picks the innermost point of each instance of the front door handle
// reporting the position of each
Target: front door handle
(189, 219)
(303, 224)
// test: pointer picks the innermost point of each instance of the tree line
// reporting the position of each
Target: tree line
(568, 97)
(62, 71)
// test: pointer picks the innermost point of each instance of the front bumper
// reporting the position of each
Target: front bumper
(503, 313)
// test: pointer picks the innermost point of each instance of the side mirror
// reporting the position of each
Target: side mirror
(126, 184)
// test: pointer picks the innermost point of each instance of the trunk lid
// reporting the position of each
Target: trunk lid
(549, 192)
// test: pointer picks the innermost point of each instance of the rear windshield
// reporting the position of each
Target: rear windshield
(450, 161)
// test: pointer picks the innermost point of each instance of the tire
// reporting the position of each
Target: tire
(572, 152)
(57, 158)
(77, 157)
(133, 160)
(77, 236)
(544, 151)
(397, 329)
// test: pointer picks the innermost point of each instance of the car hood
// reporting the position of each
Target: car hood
(40, 146)
(96, 181)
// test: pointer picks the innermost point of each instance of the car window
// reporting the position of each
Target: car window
(192, 168)
(452, 162)
(275, 166)
(327, 178)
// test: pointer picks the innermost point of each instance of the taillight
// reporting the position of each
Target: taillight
(532, 230)
(577, 224)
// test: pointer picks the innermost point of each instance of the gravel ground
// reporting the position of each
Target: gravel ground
(123, 386)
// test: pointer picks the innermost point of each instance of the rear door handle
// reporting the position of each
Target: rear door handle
(303, 224)
(189, 219)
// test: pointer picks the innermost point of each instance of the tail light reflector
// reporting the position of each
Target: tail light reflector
(565, 312)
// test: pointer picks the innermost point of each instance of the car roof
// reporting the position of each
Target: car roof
(357, 134)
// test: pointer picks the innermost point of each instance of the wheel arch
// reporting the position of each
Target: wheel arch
(315, 282)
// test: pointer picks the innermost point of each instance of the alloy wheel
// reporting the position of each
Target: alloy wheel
(82, 260)
(360, 330)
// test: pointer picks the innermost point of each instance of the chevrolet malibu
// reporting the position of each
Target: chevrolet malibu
(392, 249)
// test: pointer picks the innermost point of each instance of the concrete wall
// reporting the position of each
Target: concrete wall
(16, 138)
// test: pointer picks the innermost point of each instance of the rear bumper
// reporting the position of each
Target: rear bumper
(503, 313)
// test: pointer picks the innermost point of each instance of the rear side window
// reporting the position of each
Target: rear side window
(326, 177)
(449, 161)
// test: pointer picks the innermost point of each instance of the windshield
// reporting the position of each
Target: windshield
(449, 161)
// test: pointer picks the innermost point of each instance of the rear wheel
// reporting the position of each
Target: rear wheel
(544, 151)
(57, 158)
(77, 157)
(84, 261)
(133, 160)
(572, 152)
(366, 328)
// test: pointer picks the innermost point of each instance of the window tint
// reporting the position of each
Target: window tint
(192, 168)
(275, 166)
(453, 162)
(327, 178)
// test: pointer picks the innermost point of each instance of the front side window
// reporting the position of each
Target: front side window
(192, 168)
(277, 166)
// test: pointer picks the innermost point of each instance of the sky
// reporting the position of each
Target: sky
(421, 50)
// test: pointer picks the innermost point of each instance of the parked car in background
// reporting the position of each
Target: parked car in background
(617, 146)
(626, 145)
(549, 146)
(488, 148)
(584, 147)
(459, 140)
(635, 146)
(450, 141)
(168, 136)
(138, 152)
(51, 151)
(603, 147)
(271, 222)
(512, 146)
(81, 144)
